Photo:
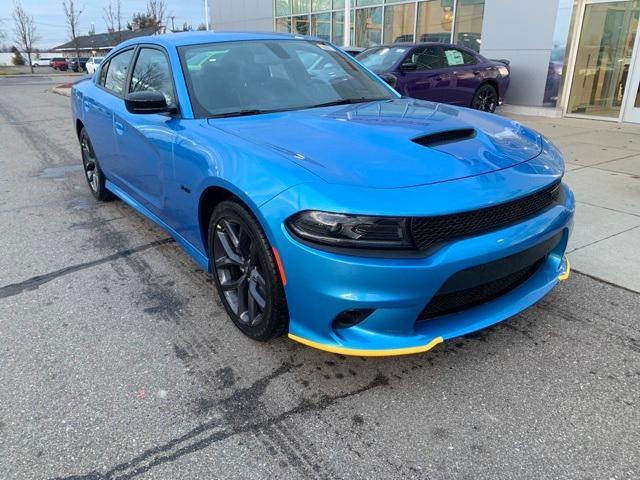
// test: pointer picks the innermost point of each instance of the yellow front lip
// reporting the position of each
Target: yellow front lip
(389, 352)
(567, 271)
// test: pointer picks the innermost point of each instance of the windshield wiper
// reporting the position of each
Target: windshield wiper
(241, 113)
(347, 101)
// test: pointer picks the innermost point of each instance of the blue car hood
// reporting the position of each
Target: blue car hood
(376, 144)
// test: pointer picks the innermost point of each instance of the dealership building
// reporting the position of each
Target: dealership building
(575, 58)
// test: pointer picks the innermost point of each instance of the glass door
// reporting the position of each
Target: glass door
(632, 103)
(603, 58)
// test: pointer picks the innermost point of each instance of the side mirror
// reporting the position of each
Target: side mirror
(148, 101)
(390, 79)
(409, 66)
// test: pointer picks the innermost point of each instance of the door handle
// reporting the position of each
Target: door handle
(119, 128)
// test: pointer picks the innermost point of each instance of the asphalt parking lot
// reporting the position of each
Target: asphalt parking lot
(117, 360)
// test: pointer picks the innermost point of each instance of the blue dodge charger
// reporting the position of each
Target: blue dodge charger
(324, 204)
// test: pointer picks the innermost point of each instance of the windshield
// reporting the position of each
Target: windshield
(98, 60)
(251, 77)
(382, 58)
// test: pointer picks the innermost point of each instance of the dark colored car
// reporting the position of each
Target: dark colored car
(441, 73)
(59, 63)
(78, 66)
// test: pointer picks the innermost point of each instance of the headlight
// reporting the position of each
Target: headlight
(351, 231)
(503, 71)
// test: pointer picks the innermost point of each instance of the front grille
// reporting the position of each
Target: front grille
(471, 297)
(483, 283)
(428, 232)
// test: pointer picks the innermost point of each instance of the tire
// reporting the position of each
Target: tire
(92, 171)
(246, 273)
(485, 99)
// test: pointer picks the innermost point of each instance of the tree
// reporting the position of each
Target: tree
(202, 27)
(17, 59)
(157, 11)
(72, 14)
(25, 32)
(112, 16)
(154, 16)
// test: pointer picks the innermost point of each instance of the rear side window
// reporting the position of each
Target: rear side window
(455, 57)
(117, 72)
(103, 74)
(152, 72)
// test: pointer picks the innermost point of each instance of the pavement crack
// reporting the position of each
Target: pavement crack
(240, 413)
(34, 283)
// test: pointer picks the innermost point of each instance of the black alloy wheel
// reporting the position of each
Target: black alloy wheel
(485, 98)
(246, 273)
(92, 172)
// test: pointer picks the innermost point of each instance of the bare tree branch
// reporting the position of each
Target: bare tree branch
(25, 31)
(72, 14)
(157, 10)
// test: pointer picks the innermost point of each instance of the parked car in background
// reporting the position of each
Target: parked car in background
(78, 65)
(441, 73)
(59, 63)
(41, 62)
(354, 51)
(323, 203)
(92, 64)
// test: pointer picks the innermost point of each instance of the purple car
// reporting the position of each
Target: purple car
(440, 72)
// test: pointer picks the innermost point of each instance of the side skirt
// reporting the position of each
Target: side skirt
(195, 254)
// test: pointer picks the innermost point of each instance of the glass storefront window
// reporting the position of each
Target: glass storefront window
(338, 4)
(365, 3)
(435, 19)
(283, 25)
(603, 58)
(283, 7)
(337, 27)
(468, 26)
(399, 22)
(320, 5)
(300, 25)
(368, 27)
(301, 6)
(321, 26)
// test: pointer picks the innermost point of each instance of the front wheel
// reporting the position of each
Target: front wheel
(246, 273)
(485, 98)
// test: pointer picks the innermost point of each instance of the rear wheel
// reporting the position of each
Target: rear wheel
(92, 171)
(485, 98)
(245, 272)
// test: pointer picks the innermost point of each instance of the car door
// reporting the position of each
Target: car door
(99, 108)
(422, 76)
(145, 141)
(466, 74)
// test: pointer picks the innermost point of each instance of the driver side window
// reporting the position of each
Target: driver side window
(427, 58)
(153, 73)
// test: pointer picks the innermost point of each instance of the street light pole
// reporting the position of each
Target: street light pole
(347, 23)
(206, 13)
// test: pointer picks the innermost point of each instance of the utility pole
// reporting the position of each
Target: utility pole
(206, 13)
(173, 27)
(347, 23)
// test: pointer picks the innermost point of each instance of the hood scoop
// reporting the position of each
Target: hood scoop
(445, 137)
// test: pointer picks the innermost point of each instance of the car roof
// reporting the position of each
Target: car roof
(199, 37)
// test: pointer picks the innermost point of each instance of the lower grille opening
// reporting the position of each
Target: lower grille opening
(471, 297)
(480, 284)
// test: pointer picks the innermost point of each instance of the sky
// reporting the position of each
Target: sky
(50, 20)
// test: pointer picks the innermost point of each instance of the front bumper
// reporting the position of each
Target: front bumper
(322, 284)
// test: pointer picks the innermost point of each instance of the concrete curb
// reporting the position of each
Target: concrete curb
(66, 91)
